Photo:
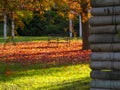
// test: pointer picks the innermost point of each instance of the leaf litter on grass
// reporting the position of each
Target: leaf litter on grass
(28, 53)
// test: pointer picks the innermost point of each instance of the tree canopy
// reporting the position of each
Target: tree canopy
(61, 6)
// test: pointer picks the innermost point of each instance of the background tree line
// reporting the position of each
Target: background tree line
(24, 13)
(52, 22)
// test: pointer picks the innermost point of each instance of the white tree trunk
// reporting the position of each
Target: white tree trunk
(80, 26)
(70, 27)
(5, 27)
(13, 27)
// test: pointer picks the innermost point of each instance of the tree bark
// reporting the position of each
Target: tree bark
(70, 27)
(105, 45)
(85, 35)
(109, 29)
(106, 84)
(106, 20)
(5, 27)
(105, 56)
(100, 89)
(105, 75)
(104, 38)
(104, 3)
(80, 26)
(105, 65)
(100, 11)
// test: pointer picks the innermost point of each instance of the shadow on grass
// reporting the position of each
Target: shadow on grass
(13, 71)
(81, 84)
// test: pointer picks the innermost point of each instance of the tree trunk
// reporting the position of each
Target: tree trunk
(5, 27)
(106, 20)
(104, 3)
(109, 29)
(12, 31)
(105, 65)
(100, 89)
(105, 75)
(105, 47)
(104, 38)
(105, 56)
(106, 84)
(70, 27)
(85, 35)
(100, 11)
(80, 26)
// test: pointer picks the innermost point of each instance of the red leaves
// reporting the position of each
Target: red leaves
(34, 52)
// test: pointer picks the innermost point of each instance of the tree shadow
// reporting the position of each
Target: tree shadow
(81, 84)
(10, 71)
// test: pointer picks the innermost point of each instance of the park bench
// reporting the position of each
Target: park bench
(58, 38)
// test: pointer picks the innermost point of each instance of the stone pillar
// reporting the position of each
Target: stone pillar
(105, 45)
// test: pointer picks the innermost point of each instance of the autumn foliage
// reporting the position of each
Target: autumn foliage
(27, 53)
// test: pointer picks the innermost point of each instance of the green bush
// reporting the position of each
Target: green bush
(39, 26)
(1, 29)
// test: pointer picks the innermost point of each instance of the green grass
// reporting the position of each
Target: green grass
(44, 77)
(30, 38)
(26, 38)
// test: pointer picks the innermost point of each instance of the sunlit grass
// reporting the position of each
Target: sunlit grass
(42, 77)
(31, 38)
(25, 38)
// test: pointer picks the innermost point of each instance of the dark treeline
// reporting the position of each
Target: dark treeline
(51, 23)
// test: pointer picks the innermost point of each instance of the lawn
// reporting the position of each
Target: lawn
(40, 77)
(26, 38)
(31, 38)
(36, 66)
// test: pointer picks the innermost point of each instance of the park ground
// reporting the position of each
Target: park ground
(32, 64)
